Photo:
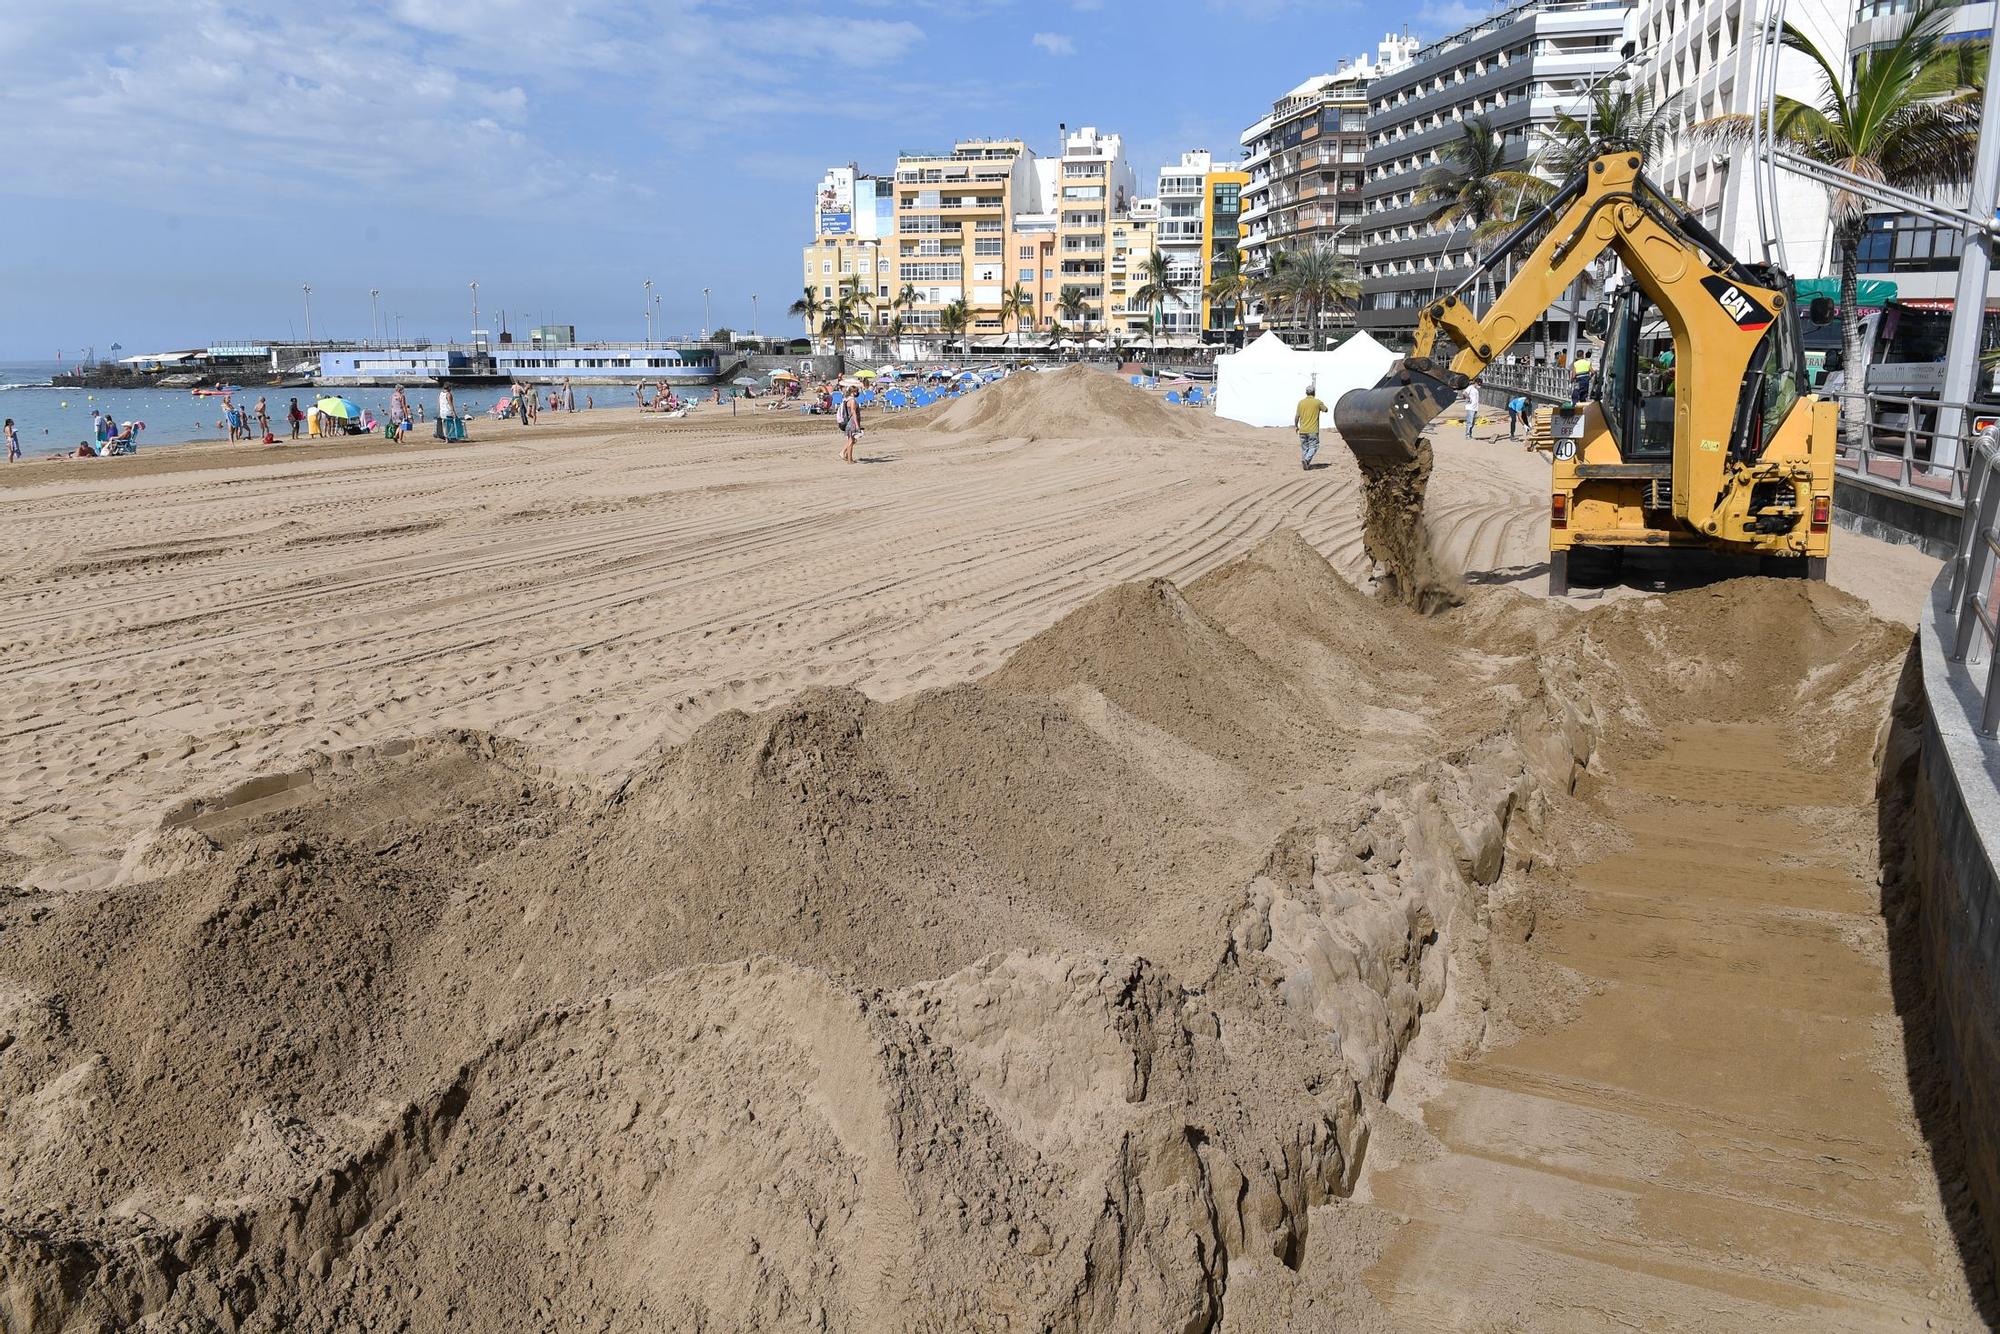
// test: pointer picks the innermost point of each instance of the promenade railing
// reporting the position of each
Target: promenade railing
(1546, 383)
(1894, 444)
(1971, 625)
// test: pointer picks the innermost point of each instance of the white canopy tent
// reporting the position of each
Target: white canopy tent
(1262, 384)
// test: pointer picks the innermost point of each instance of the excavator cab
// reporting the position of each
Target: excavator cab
(1635, 391)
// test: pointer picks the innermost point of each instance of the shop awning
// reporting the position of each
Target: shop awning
(1868, 292)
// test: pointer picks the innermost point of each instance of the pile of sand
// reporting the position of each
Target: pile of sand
(1060, 1000)
(1073, 403)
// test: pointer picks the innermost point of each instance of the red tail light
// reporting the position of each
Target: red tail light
(1558, 510)
(1822, 512)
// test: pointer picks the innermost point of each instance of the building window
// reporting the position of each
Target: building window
(987, 246)
(1906, 243)
(1027, 252)
(1027, 275)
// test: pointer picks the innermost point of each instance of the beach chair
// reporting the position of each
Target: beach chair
(1195, 397)
(1138, 380)
(867, 397)
(1173, 398)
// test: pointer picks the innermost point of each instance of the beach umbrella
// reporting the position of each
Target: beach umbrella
(750, 380)
(339, 407)
(865, 374)
(783, 375)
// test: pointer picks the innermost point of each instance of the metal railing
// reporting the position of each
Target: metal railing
(1975, 581)
(1550, 384)
(1895, 444)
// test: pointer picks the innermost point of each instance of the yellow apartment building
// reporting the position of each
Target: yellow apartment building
(954, 217)
(1132, 239)
(1222, 234)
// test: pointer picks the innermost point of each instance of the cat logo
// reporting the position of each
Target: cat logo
(1738, 305)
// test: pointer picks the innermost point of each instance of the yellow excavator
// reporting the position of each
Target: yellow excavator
(1733, 455)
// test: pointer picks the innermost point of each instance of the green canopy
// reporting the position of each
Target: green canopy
(1867, 291)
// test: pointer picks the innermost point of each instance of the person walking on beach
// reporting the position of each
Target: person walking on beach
(296, 416)
(1305, 420)
(264, 420)
(1471, 409)
(399, 408)
(447, 409)
(849, 419)
(569, 397)
(13, 442)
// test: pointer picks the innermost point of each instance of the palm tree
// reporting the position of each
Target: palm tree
(1015, 303)
(1160, 287)
(840, 321)
(1055, 333)
(807, 308)
(1628, 118)
(1269, 286)
(1907, 115)
(953, 319)
(1475, 190)
(1229, 288)
(1313, 280)
(1070, 303)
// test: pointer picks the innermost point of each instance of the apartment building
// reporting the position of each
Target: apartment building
(1095, 184)
(1222, 240)
(1694, 59)
(1304, 160)
(1519, 68)
(989, 216)
(1134, 237)
(853, 233)
(954, 215)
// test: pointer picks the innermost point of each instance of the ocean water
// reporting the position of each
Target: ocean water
(52, 420)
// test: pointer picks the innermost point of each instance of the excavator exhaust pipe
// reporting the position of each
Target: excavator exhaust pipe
(1385, 424)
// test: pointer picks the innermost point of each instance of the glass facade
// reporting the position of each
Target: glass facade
(1906, 243)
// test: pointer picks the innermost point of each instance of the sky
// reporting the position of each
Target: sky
(179, 172)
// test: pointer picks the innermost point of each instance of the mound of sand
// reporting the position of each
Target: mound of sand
(1073, 403)
(1061, 1000)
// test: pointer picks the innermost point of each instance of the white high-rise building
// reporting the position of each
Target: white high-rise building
(1698, 56)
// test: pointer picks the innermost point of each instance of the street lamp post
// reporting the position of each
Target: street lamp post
(753, 314)
(704, 315)
(649, 313)
(374, 319)
(475, 313)
(309, 313)
(399, 331)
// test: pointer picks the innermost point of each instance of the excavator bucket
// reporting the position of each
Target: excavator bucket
(1384, 424)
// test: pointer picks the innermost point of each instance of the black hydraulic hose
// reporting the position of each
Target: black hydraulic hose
(1561, 198)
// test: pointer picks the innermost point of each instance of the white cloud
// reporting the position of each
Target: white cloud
(429, 104)
(1055, 43)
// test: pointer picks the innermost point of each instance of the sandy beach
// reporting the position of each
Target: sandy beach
(651, 875)
(198, 616)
